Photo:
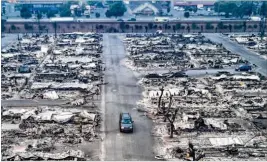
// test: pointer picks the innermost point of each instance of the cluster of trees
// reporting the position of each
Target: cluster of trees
(65, 10)
(191, 8)
(25, 12)
(95, 3)
(241, 9)
(116, 9)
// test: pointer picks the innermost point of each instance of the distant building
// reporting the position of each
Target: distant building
(182, 3)
(144, 8)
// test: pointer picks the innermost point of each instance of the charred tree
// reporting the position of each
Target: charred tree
(166, 112)
(160, 97)
(171, 120)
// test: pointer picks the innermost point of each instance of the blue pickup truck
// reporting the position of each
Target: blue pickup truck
(244, 68)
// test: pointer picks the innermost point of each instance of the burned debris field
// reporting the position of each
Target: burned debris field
(66, 70)
(217, 116)
(188, 96)
(253, 42)
(177, 52)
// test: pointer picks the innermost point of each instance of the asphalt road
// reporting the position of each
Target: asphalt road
(120, 95)
(242, 51)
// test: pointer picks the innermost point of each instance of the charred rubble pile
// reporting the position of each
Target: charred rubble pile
(214, 117)
(47, 133)
(177, 51)
(253, 42)
(69, 68)
(73, 70)
(19, 60)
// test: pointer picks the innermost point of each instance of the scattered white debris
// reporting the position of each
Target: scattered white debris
(50, 95)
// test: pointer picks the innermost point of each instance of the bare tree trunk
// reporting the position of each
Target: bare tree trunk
(172, 121)
(172, 129)
(159, 102)
(169, 107)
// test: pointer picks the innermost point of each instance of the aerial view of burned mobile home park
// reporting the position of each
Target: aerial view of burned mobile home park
(124, 88)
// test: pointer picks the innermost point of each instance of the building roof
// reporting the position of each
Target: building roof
(133, 5)
(146, 6)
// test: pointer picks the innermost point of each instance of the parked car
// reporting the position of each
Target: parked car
(126, 122)
(24, 69)
(243, 68)
(119, 20)
(178, 75)
(132, 19)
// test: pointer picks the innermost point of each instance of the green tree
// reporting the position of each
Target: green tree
(168, 9)
(127, 26)
(108, 14)
(245, 9)
(25, 12)
(78, 12)
(3, 28)
(92, 3)
(230, 27)
(160, 12)
(174, 28)
(263, 10)
(188, 28)
(209, 26)
(28, 27)
(195, 9)
(244, 26)
(4, 10)
(116, 9)
(220, 25)
(97, 15)
(39, 16)
(237, 9)
(194, 26)
(227, 7)
(122, 26)
(99, 5)
(178, 26)
(65, 10)
(150, 25)
(13, 27)
(186, 14)
(50, 14)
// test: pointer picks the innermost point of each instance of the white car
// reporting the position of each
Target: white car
(178, 8)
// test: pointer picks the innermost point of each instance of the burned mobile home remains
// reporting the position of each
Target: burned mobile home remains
(67, 68)
(252, 42)
(220, 116)
(177, 51)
